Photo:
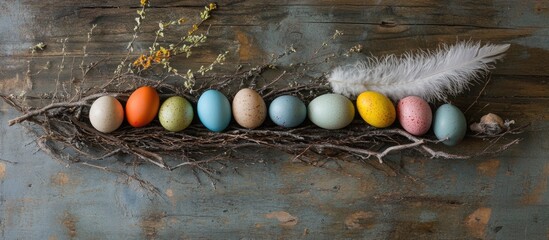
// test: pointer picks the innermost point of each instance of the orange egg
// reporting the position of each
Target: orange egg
(142, 106)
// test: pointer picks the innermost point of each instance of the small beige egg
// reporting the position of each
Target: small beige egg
(106, 114)
(249, 109)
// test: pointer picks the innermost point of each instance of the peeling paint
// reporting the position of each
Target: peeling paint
(152, 224)
(2, 170)
(60, 179)
(488, 168)
(360, 220)
(477, 222)
(285, 219)
(170, 195)
(70, 221)
(13, 85)
(247, 50)
(535, 196)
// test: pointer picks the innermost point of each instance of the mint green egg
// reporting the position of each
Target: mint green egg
(449, 124)
(331, 111)
(175, 114)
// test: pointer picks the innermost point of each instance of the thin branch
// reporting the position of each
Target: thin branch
(7, 161)
(381, 155)
(143, 183)
(441, 154)
(479, 94)
(81, 102)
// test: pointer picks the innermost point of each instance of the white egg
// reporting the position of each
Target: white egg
(106, 114)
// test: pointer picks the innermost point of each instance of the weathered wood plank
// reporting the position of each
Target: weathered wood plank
(502, 197)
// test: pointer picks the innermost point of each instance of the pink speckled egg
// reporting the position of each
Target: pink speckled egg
(414, 115)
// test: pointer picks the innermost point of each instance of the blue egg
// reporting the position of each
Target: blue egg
(449, 124)
(287, 111)
(214, 110)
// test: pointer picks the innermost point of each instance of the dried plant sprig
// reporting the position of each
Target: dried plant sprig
(185, 45)
(38, 47)
(83, 67)
(61, 68)
(138, 20)
(160, 55)
(218, 61)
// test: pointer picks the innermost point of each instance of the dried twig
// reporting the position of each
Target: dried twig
(143, 183)
(57, 105)
(7, 161)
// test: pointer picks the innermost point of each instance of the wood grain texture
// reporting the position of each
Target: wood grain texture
(503, 197)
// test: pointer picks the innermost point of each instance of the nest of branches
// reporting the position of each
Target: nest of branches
(66, 134)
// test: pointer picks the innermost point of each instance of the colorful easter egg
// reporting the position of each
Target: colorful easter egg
(214, 110)
(449, 124)
(376, 109)
(331, 111)
(414, 115)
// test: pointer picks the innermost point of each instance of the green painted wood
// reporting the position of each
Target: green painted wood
(503, 196)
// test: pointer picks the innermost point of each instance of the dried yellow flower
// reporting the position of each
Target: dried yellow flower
(139, 61)
(143, 62)
(164, 52)
(161, 54)
(144, 2)
(212, 6)
(147, 64)
(193, 29)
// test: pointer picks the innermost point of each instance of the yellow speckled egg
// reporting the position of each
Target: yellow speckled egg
(376, 109)
(175, 114)
(249, 109)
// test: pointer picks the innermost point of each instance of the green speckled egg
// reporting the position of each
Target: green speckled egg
(449, 124)
(331, 111)
(175, 114)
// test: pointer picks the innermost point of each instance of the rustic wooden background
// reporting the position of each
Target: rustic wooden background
(503, 196)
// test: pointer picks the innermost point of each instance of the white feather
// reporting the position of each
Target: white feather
(431, 75)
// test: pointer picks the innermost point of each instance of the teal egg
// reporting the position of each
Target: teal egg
(214, 110)
(287, 111)
(331, 111)
(175, 114)
(449, 124)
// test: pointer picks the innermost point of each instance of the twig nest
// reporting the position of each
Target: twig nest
(490, 124)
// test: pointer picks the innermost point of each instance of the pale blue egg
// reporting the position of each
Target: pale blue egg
(287, 111)
(449, 124)
(214, 110)
(331, 111)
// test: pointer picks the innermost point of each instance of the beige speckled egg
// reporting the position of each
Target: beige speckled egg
(106, 114)
(249, 109)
